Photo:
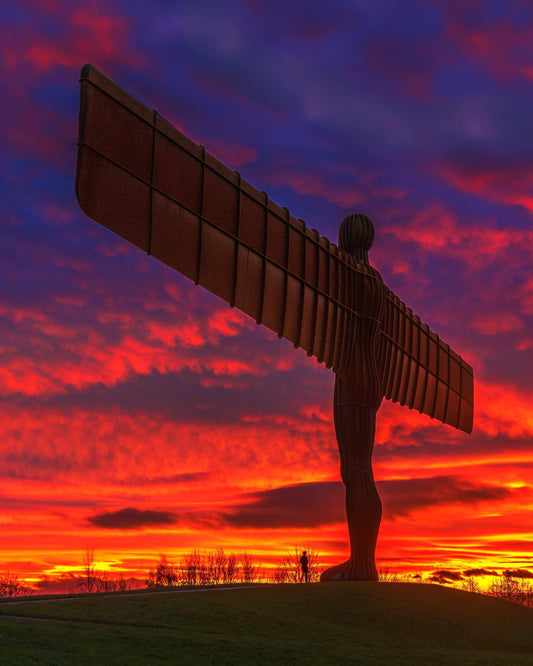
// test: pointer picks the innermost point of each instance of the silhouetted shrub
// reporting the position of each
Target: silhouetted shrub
(249, 570)
(387, 576)
(12, 586)
(92, 580)
(231, 569)
(163, 574)
(213, 568)
(289, 569)
(512, 588)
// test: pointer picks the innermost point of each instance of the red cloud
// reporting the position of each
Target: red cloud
(310, 184)
(67, 38)
(129, 338)
(233, 154)
(503, 410)
(499, 410)
(501, 47)
(111, 448)
(509, 184)
(493, 324)
(83, 455)
(438, 231)
(228, 323)
(345, 188)
(85, 33)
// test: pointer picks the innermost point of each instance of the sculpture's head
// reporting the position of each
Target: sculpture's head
(356, 236)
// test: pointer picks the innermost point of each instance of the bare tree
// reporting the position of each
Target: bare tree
(471, 585)
(249, 570)
(88, 579)
(92, 580)
(104, 583)
(289, 569)
(512, 588)
(280, 575)
(12, 586)
(163, 574)
(190, 568)
(204, 568)
(211, 568)
(207, 567)
(231, 569)
(220, 566)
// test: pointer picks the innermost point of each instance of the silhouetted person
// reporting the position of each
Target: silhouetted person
(304, 564)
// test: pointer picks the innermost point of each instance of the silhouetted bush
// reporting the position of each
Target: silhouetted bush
(204, 568)
(471, 585)
(386, 576)
(91, 580)
(289, 569)
(249, 570)
(163, 574)
(512, 588)
(12, 586)
(230, 569)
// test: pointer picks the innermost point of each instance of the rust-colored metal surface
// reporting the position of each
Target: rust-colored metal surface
(146, 181)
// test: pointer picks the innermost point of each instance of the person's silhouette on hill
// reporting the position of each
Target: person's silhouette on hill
(304, 564)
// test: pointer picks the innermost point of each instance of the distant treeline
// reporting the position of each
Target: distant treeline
(198, 568)
(218, 567)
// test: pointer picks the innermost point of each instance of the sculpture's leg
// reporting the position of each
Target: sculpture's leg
(355, 429)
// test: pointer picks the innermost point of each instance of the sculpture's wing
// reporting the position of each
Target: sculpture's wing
(421, 371)
(147, 182)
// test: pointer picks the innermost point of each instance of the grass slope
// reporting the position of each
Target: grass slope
(332, 623)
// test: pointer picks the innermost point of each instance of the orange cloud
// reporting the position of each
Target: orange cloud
(132, 338)
(503, 410)
(114, 448)
(69, 466)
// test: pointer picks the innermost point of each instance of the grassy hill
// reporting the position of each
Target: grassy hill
(331, 623)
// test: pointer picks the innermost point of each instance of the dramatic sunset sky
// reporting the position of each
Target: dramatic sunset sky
(139, 414)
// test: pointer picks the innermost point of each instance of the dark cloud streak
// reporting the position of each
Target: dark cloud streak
(132, 519)
(320, 503)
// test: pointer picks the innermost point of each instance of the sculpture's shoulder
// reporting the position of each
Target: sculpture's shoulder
(375, 274)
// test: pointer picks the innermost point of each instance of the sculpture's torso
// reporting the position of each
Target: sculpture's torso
(360, 384)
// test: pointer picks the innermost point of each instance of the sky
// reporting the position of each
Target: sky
(139, 414)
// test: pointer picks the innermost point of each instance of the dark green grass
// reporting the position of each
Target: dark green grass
(332, 623)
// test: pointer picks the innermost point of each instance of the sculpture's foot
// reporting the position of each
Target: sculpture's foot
(351, 570)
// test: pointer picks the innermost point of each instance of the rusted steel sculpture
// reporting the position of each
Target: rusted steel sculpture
(143, 179)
